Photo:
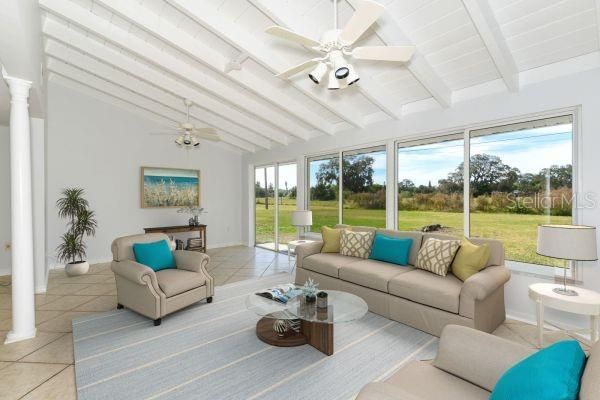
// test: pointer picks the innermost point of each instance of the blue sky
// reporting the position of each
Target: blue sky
(528, 150)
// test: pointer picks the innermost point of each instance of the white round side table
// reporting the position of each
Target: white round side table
(293, 244)
(587, 302)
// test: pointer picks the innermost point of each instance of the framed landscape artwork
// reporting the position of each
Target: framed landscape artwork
(170, 187)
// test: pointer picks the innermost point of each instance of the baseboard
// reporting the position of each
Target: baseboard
(549, 324)
(57, 266)
(229, 244)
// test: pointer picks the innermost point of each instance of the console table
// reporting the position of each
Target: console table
(201, 229)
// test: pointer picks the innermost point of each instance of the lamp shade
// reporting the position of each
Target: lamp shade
(302, 218)
(567, 242)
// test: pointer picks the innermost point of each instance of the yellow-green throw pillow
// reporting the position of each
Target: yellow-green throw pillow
(331, 239)
(470, 259)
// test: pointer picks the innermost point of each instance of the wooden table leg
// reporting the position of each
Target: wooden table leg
(319, 335)
(540, 323)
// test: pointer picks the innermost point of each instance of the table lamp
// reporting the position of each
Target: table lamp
(569, 243)
(301, 218)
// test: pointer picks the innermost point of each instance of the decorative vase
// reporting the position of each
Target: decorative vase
(322, 300)
(77, 268)
(310, 299)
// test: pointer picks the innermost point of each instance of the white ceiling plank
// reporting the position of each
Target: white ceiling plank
(98, 84)
(241, 124)
(373, 92)
(79, 16)
(483, 18)
(118, 77)
(141, 16)
(218, 113)
(388, 29)
(597, 2)
(208, 17)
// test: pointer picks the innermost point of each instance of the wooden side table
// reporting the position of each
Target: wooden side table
(586, 303)
(292, 247)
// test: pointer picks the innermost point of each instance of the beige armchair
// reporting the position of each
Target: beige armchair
(156, 294)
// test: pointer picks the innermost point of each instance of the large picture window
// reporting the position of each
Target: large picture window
(430, 193)
(323, 187)
(520, 177)
(363, 186)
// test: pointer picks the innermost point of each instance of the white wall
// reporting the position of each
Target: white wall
(99, 147)
(4, 199)
(576, 90)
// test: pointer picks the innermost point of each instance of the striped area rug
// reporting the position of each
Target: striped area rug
(210, 351)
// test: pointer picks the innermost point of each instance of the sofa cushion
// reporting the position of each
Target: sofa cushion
(389, 249)
(426, 288)
(424, 381)
(372, 273)
(176, 281)
(470, 259)
(436, 255)
(356, 244)
(327, 263)
(496, 246)
(551, 373)
(416, 236)
(590, 382)
(331, 239)
(156, 255)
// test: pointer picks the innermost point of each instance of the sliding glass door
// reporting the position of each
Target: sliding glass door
(275, 200)
(323, 188)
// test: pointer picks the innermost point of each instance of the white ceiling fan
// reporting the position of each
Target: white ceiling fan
(189, 135)
(336, 44)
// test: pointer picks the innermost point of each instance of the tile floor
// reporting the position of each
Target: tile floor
(42, 368)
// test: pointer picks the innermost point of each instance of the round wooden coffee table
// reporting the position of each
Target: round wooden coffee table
(315, 325)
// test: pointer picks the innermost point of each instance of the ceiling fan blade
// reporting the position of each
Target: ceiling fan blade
(291, 36)
(202, 131)
(384, 53)
(164, 133)
(209, 136)
(365, 15)
(298, 68)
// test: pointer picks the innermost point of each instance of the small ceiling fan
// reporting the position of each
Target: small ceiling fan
(336, 44)
(189, 135)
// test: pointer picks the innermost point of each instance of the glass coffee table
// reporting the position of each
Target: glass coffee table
(297, 322)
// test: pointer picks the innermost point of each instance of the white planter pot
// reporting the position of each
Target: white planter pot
(78, 268)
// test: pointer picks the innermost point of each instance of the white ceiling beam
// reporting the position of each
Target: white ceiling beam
(141, 16)
(388, 29)
(211, 110)
(94, 82)
(485, 22)
(209, 18)
(273, 125)
(118, 77)
(598, 18)
(372, 92)
(108, 98)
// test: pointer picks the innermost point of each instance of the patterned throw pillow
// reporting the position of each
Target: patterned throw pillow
(436, 255)
(356, 244)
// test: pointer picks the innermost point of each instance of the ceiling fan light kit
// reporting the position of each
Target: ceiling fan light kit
(336, 45)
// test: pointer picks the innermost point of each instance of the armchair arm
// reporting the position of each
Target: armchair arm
(134, 272)
(476, 356)
(305, 250)
(384, 391)
(191, 260)
(480, 285)
(195, 262)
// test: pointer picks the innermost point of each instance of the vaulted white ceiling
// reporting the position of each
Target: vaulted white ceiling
(150, 54)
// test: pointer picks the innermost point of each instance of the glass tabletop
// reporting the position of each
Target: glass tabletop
(341, 307)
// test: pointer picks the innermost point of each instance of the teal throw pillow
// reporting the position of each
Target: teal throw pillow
(156, 255)
(552, 373)
(391, 249)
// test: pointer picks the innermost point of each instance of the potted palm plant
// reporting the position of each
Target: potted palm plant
(81, 223)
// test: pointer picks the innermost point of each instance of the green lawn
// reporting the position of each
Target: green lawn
(517, 231)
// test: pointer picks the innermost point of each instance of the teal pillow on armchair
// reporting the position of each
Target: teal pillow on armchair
(156, 255)
(553, 373)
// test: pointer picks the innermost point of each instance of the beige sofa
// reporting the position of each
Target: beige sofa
(412, 296)
(156, 294)
(467, 367)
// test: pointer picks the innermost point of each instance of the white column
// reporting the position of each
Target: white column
(23, 300)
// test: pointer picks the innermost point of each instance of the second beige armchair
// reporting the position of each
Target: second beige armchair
(156, 294)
